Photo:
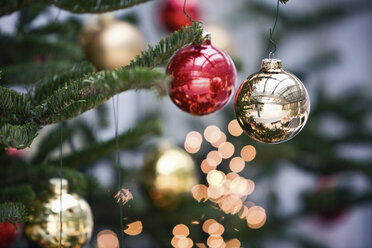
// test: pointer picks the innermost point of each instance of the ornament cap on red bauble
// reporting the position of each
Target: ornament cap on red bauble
(204, 78)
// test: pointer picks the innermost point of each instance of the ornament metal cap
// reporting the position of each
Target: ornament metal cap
(55, 185)
(271, 65)
(207, 35)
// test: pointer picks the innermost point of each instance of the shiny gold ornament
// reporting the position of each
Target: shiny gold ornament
(77, 221)
(111, 44)
(168, 175)
(272, 105)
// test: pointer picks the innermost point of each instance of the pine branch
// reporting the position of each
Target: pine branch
(21, 193)
(52, 140)
(95, 6)
(17, 136)
(13, 213)
(161, 52)
(133, 137)
(85, 93)
(28, 15)
(68, 29)
(90, 91)
(26, 48)
(31, 72)
(14, 106)
(283, 1)
(7, 7)
(46, 87)
(81, 6)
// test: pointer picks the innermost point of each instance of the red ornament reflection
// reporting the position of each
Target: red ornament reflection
(172, 16)
(204, 78)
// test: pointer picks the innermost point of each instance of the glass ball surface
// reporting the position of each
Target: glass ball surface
(77, 222)
(204, 78)
(272, 105)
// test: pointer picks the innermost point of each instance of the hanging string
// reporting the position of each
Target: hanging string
(115, 106)
(272, 43)
(187, 15)
(60, 185)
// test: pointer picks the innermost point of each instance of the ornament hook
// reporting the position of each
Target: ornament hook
(272, 43)
(189, 17)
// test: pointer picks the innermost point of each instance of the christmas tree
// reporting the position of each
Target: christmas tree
(60, 117)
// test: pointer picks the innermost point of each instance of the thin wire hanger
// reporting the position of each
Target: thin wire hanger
(272, 43)
(187, 15)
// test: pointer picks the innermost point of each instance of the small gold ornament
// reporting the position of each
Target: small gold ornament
(168, 175)
(272, 105)
(221, 38)
(110, 44)
(77, 221)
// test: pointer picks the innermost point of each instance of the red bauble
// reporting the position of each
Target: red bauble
(15, 152)
(8, 233)
(204, 78)
(172, 16)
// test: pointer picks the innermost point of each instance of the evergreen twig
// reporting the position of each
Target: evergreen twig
(81, 6)
(13, 212)
(131, 138)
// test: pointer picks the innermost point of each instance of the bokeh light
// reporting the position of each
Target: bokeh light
(181, 230)
(216, 156)
(215, 177)
(234, 128)
(222, 139)
(233, 243)
(123, 196)
(199, 192)
(193, 142)
(134, 228)
(237, 164)
(207, 165)
(256, 217)
(226, 150)
(107, 239)
(190, 149)
(248, 153)
(180, 239)
(215, 241)
(212, 134)
(228, 191)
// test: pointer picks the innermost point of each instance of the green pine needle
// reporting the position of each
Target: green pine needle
(133, 137)
(95, 6)
(79, 89)
(13, 212)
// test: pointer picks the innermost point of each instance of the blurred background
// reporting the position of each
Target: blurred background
(315, 189)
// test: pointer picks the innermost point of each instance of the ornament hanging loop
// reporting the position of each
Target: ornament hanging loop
(188, 16)
(272, 43)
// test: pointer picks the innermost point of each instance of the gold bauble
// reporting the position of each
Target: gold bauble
(168, 175)
(272, 105)
(77, 221)
(111, 44)
(221, 38)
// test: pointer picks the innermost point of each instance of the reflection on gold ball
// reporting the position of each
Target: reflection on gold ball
(169, 173)
(77, 221)
(112, 44)
(272, 105)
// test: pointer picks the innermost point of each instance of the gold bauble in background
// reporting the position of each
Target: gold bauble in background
(111, 44)
(168, 175)
(272, 105)
(221, 38)
(77, 221)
